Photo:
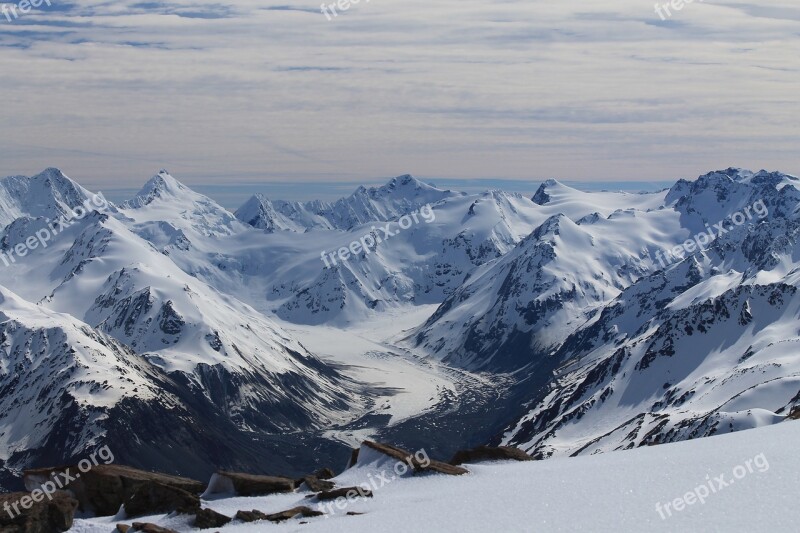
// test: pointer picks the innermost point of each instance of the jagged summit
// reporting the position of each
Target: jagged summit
(49, 194)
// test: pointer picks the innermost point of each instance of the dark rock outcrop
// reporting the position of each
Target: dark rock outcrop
(45, 516)
(315, 484)
(346, 492)
(208, 518)
(301, 511)
(104, 488)
(486, 453)
(153, 497)
(255, 516)
(248, 484)
(324, 473)
(418, 465)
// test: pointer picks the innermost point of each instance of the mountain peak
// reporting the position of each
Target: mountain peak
(162, 185)
(541, 197)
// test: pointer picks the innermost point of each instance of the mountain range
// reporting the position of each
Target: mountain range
(192, 338)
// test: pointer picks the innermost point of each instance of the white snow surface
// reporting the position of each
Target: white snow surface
(612, 492)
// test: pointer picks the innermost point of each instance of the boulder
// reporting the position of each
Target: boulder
(247, 484)
(302, 511)
(346, 492)
(250, 516)
(146, 527)
(315, 484)
(409, 458)
(324, 473)
(123, 528)
(208, 518)
(46, 516)
(255, 516)
(486, 453)
(104, 488)
(153, 497)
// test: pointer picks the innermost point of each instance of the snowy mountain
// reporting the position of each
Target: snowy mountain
(565, 323)
(399, 196)
(701, 347)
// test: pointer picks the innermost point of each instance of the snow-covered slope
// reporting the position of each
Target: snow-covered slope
(704, 346)
(746, 482)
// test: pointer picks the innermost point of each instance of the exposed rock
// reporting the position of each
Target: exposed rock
(248, 484)
(146, 527)
(409, 458)
(43, 517)
(353, 513)
(104, 488)
(156, 498)
(795, 413)
(122, 528)
(486, 453)
(254, 516)
(353, 457)
(315, 484)
(250, 516)
(302, 511)
(346, 492)
(208, 518)
(324, 473)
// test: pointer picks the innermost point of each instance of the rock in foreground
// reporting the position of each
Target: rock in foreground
(42, 517)
(485, 453)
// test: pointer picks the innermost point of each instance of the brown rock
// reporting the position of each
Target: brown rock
(248, 484)
(146, 527)
(302, 511)
(408, 458)
(122, 528)
(153, 497)
(324, 473)
(315, 484)
(250, 516)
(486, 453)
(254, 516)
(208, 518)
(42, 517)
(346, 492)
(104, 488)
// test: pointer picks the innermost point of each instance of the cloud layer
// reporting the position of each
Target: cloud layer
(111, 91)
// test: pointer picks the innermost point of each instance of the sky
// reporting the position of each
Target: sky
(266, 92)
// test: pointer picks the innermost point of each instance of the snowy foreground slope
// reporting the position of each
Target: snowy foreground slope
(747, 481)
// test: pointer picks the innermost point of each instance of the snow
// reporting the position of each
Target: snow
(614, 492)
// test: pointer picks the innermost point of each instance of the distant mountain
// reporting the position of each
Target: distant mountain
(376, 204)
(566, 323)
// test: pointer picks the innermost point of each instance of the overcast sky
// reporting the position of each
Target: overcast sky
(264, 90)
